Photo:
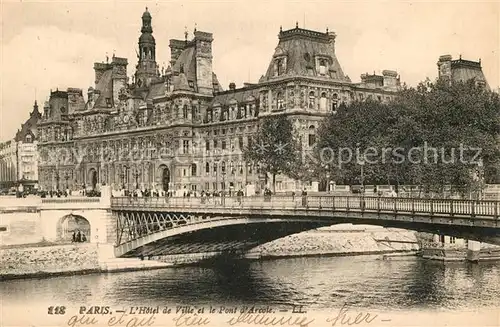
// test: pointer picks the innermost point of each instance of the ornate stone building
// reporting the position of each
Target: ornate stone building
(27, 154)
(176, 128)
(19, 156)
(8, 163)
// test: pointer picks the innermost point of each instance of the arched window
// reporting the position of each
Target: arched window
(185, 111)
(231, 167)
(29, 138)
(215, 168)
(312, 135)
(335, 98)
(322, 102)
(312, 100)
(193, 169)
(207, 168)
(280, 101)
(240, 167)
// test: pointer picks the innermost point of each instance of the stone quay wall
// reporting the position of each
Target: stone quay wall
(48, 260)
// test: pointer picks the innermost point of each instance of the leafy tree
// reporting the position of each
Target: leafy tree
(432, 127)
(274, 148)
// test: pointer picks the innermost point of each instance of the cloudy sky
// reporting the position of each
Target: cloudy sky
(49, 45)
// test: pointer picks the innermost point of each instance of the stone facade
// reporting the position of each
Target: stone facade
(19, 157)
(176, 129)
(8, 163)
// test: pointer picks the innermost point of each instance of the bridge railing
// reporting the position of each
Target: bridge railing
(487, 208)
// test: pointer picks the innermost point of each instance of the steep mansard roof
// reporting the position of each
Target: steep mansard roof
(302, 48)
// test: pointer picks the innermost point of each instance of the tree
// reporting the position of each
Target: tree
(274, 148)
(454, 121)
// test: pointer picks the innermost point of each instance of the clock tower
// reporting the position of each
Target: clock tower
(146, 67)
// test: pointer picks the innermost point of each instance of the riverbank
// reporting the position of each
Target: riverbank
(36, 261)
(339, 241)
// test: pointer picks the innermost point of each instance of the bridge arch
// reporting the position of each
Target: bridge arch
(73, 224)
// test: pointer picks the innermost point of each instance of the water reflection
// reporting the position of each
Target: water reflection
(315, 282)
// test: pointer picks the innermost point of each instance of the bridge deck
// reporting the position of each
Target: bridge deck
(447, 207)
(142, 221)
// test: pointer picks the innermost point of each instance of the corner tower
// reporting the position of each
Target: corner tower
(146, 67)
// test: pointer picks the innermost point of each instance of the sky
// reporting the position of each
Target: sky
(48, 45)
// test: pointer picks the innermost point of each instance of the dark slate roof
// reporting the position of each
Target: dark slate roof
(105, 86)
(300, 46)
(464, 70)
(29, 126)
(181, 83)
(215, 81)
(156, 90)
(188, 62)
(240, 95)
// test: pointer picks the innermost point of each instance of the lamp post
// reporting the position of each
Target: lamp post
(362, 164)
(136, 174)
(57, 180)
(481, 178)
(122, 176)
(125, 175)
(66, 177)
(328, 178)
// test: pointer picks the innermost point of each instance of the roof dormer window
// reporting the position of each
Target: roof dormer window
(322, 67)
(280, 66)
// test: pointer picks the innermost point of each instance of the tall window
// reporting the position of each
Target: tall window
(231, 167)
(280, 66)
(312, 135)
(322, 102)
(215, 168)
(223, 167)
(207, 145)
(335, 98)
(312, 100)
(280, 101)
(207, 168)
(240, 142)
(322, 67)
(185, 111)
(185, 146)
(193, 169)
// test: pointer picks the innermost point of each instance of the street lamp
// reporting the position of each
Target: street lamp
(328, 178)
(362, 164)
(124, 174)
(66, 177)
(136, 174)
(57, 180)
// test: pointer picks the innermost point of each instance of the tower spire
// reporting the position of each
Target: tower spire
(146, 67)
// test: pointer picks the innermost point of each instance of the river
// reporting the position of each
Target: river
(362, 281)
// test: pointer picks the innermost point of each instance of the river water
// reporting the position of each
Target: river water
(362, 281)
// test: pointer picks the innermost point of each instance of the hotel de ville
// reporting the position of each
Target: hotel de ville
(177, 129)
